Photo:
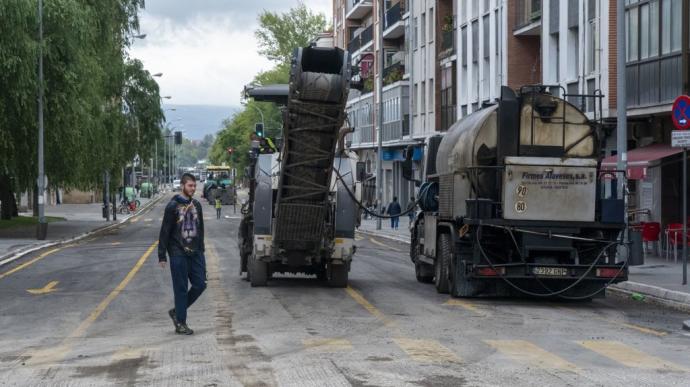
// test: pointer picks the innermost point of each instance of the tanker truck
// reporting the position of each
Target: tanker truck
(299, 218)
(512, 202)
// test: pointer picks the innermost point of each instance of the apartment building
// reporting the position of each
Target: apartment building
(356, 26)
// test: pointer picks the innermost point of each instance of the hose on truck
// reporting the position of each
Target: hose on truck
(558, 293)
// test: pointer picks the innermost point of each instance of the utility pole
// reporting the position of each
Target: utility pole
(42, 230)
(379, 123)
(621, 106)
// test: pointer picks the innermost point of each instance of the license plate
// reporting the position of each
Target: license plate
(551, 271)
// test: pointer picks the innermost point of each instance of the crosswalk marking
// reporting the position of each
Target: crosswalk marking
(427, 351)
(526, 352)
(327, 344)
(629, 356)
(148, 220)
(359, 238)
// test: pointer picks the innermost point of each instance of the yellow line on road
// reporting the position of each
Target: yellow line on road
(368, 306)
(629, 356)
(54, 355)
(327, 344)
(49, 288)
(466, 305)
(526, 352)
(374, 241)
(638, 328)
(30, 262)
(427, 351)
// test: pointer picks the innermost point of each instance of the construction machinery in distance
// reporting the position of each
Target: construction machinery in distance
(300, 218)
(220, 184)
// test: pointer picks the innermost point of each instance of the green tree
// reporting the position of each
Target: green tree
(280, 34)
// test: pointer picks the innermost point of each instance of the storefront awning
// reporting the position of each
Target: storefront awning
(641, 158)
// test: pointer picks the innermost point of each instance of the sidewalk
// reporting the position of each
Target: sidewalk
(79, 219)
(658, 280)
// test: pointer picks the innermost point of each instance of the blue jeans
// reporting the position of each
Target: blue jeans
(185, 270)
(394, 221)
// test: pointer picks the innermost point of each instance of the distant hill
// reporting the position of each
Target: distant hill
(198, 120)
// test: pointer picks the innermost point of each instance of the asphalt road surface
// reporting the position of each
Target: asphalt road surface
(94, 313)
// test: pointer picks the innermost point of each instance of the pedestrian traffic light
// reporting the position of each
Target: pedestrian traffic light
(178, 138)
(259, 129)
(230, 150)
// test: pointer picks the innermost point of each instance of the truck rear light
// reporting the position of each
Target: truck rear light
(609, 272)
(491, 271)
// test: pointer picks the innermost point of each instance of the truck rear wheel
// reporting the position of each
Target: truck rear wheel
(337, 275)
(258, 275)
(444, 254)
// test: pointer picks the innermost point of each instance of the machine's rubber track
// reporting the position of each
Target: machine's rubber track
(319, 85)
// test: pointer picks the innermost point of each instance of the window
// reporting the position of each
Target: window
(475, 8)
(423, 29)
(592, 49)
(462, 8)
(463, 44)
(574, 53)
(422, 100)
(416, 33)
(631, 36)
(432, 23)
(475, 41)
(671, 29)
(415, 99)
(431, 95)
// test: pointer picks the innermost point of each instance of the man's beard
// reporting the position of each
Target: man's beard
(187, 193)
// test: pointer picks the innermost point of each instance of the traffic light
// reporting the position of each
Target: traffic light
(178, 138)
(229, 150)
(259, 129)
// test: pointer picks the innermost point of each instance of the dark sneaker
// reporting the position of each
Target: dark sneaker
(183, 329)
(171, 313)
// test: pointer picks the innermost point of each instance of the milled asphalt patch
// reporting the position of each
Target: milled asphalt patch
(653, 294)
(15, 255)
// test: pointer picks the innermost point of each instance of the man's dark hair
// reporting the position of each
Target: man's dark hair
(187, 177)
(395, 198)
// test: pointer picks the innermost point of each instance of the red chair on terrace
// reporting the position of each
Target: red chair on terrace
(674, 237)
(650, 233)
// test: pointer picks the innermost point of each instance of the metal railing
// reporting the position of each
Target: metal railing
(393, 15)
(528, 11)
(358, 41)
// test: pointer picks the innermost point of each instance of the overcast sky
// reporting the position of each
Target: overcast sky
(206, 49)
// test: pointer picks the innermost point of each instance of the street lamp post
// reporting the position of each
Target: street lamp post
(42, 230)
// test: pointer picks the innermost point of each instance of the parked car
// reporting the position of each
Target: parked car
(176, 185)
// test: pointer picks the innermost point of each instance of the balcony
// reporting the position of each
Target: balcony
(447, 43)
(360, 111)
(361, 41)
(528, 17)
(360, 9)
(393, 26)
(393, 73)
(395, 111)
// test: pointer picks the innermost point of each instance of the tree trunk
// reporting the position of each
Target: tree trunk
(5, 198)
(15, 206)
(35, 202)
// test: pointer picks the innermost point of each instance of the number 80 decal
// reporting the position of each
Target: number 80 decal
(520, 206)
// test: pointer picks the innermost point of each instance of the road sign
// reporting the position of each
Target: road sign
(681, 113)
(680, 138)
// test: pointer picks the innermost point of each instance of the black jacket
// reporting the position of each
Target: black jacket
(394, 209)
(182, 231)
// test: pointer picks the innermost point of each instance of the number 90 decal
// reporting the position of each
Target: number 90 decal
(520, 206)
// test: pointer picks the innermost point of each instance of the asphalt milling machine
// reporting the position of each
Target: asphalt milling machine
(514, 202)
(300, 217)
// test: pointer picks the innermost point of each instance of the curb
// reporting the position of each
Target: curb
(15, 255)
(653, 294)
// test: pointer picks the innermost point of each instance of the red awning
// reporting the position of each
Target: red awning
(640, 159)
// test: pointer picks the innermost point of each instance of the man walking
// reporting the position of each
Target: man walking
(394, 210)
(219, 206)
(182, 238)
